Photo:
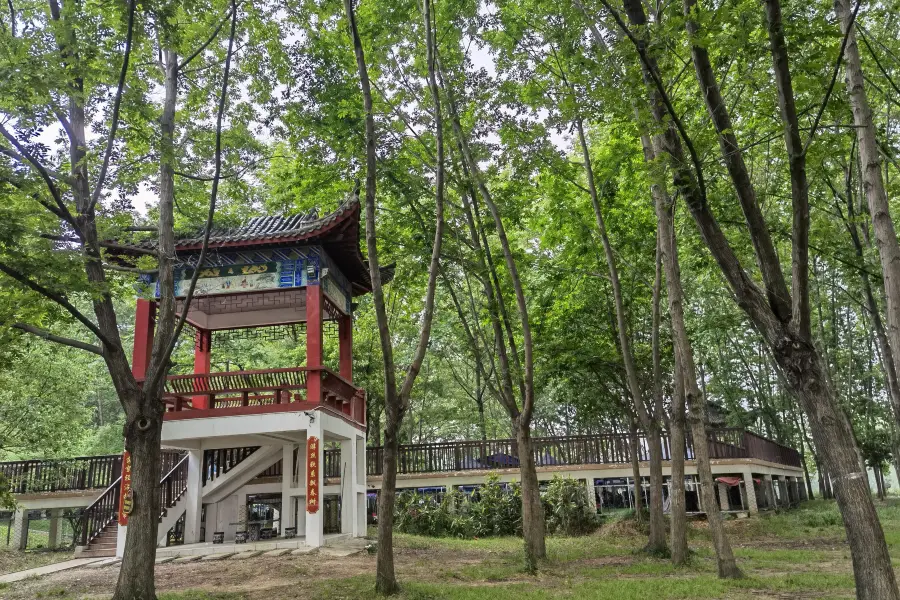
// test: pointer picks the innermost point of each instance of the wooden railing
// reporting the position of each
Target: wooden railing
(173, 485)
(730, 443)
(234, 389)
(58, 475)
(218, 462)
(100, 513)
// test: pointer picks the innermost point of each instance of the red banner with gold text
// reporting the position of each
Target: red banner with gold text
(125, 495)
(312, 474)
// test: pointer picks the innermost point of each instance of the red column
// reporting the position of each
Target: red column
(202, 356)
(143, 337)
(345, 338)
(314, 342)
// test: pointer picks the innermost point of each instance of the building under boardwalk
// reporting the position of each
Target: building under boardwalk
(277, 457)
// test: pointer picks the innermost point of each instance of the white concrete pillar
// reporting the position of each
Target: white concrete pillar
(193, 508)
(315, 523)
(121, 534)
(53, 531)
(348, 487)
(359, 484)
(288, 513)
(768, 487)
(19, 529)
(723, 497)
(750, 492)
(591, 494)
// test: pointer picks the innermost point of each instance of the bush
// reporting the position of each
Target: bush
(567, 508)
(495, 509)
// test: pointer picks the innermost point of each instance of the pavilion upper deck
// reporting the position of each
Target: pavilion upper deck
(254, 392)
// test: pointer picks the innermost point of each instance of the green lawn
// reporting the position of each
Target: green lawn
(795, 554)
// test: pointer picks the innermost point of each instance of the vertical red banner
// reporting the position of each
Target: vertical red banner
(312, 474)
(125, 494)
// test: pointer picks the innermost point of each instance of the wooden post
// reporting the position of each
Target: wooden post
(202, 360)
(143, 337)
(314, 342)
(345, 339)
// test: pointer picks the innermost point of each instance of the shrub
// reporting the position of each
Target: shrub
(494, 509)
(567, 507)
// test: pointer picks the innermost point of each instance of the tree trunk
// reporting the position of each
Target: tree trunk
(533, 525)
(665, 215)
(650, 422)
(142, 440)
(385, 578)
(833, 436)
(677, 514)
(535, 545)
(634, 446)
(876, 196)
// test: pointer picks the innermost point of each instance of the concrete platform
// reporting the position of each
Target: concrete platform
(208, 548)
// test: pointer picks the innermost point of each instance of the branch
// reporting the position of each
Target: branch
(205, 44)
(21, 187)
(865, 39)
(44, 173)
(59, 299)
(658, 84)
(124, 248)
(212, 204)
(42, 333)
(125, 269)
(98, 186)
(834, 74)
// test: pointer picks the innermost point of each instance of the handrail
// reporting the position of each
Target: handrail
(218, 462)
(262, 387)
(100, 513)
(723, 444)
(57, 475)
(173, 485)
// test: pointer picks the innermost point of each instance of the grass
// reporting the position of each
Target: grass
(13, 560)
(793, 554)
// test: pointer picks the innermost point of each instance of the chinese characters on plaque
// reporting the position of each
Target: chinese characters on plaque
(312, 474)
(126, 497)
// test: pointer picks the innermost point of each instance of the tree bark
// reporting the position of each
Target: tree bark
(532, 509)
(635, 448)
(677, 504)
(873, 184)
(142, 440)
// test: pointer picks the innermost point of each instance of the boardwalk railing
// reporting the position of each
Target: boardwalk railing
(59, 475)
(441, 457)
(571, 450)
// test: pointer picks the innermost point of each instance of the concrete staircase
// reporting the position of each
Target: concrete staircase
(103, 545)
(214, 489)
(218, 487)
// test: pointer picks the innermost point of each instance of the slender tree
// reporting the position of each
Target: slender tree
(396, 400)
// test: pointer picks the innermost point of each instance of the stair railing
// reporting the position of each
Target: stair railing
(173, 485)
(100, 513)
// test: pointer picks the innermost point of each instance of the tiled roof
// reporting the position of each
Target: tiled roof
(265, 229)
(338, 232)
